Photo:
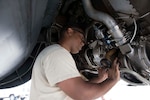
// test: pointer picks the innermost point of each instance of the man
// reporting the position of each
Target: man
(55, 76)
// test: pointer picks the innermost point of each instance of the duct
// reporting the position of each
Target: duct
(136, 75)
(107, 20)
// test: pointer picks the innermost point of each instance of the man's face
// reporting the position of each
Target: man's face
(77, 40)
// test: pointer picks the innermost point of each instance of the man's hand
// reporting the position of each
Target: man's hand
(113, 71)
(102, 74)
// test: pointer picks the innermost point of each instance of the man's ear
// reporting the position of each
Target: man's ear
(69, 31)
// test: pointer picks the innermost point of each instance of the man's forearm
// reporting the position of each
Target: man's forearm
(97, 90)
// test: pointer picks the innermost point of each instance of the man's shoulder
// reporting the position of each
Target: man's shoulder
(55, 48)
(52, 47)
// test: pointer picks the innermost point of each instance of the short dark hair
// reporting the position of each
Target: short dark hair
(74, 25)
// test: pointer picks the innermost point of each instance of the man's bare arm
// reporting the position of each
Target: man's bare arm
(79, 89)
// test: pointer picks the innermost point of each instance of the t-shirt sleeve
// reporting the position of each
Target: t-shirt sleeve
(60, 67)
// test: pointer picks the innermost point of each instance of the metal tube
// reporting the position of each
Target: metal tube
(107, 20)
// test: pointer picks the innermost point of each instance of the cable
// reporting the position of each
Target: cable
(135, 30)
(145, 15)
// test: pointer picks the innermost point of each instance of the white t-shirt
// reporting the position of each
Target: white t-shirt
(54, 64)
